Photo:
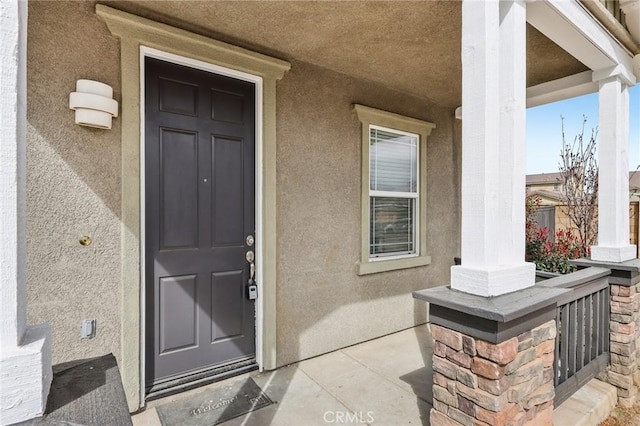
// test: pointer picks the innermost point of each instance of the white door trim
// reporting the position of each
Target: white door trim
(148, 52)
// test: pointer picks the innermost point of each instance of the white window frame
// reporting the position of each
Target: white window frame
(397, 194)
(375, 118)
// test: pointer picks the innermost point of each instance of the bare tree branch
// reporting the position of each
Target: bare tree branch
(579, 179)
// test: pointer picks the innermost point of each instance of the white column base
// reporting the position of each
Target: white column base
(613, 254)
(495, 281)
(25, 376)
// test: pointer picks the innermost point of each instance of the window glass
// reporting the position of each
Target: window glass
(392, 226)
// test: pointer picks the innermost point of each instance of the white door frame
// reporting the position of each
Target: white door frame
(148, 52)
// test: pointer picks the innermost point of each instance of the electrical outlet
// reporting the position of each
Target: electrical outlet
(88, 329)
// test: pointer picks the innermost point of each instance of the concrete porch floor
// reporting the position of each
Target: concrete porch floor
(386, 381)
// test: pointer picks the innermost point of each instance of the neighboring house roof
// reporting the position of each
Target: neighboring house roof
(547, 178)
(552, 196)
(542, 178)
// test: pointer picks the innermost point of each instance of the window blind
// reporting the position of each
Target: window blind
(392, 161)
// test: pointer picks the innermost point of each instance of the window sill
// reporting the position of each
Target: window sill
(373, 267)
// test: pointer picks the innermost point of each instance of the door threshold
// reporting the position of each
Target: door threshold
(200, 378)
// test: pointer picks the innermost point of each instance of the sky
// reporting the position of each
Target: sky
(544, 129)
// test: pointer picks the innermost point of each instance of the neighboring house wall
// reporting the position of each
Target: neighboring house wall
(74, 189)
(562, 219)
(633, 224)
(544, 187)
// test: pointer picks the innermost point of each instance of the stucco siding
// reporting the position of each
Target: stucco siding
(74, 189)
(73, 183)
(322, 303)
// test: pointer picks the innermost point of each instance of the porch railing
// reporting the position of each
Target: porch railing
(582, 320)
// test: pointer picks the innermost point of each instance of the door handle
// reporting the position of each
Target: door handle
(252, 266)
(252, 288)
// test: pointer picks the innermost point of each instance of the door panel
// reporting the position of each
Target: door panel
(227, 298)
(178, 313)
(179, 195)
(178, 97)
(233, 110)
(228, 202)
(199, 170)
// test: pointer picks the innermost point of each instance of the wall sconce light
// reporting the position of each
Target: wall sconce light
(94, 104)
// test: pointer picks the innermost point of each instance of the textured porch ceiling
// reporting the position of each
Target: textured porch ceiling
(410, 46)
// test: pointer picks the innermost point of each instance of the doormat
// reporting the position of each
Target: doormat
(214, 406)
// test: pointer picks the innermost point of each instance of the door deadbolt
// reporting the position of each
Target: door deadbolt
(250, 240)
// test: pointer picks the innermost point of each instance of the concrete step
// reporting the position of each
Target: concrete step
(589, 406)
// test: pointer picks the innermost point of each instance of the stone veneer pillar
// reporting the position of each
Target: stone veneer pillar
(624, 327)
(623, 371)
(493, 358)
(476, 382)
(624, 338)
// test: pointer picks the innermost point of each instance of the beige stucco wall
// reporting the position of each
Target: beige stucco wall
(74, 189)
(322, 303)
(73, 183)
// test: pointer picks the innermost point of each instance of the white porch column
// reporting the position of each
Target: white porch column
(613, 162)
(493, 149)
(25, 353)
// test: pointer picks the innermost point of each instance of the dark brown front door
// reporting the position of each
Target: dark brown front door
(199, 168)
